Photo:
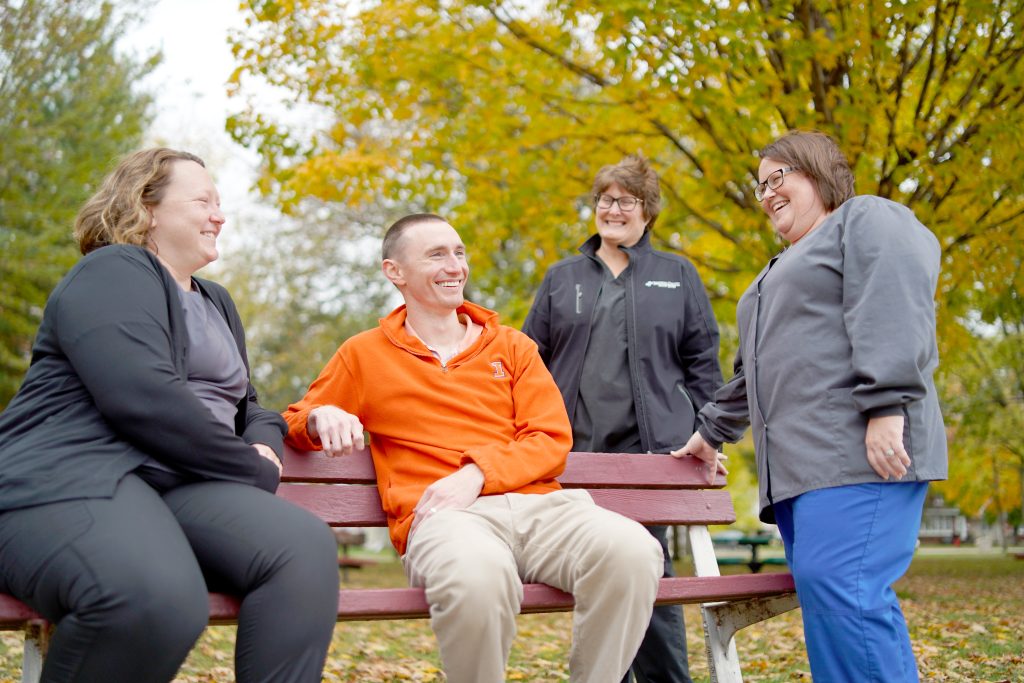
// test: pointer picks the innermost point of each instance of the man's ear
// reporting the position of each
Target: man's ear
(392, 271)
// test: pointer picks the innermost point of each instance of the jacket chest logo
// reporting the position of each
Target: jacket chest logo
(499, 369)
(663, 284)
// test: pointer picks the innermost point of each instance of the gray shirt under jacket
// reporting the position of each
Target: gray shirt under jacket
(108, 389)
(216, 373)
(605, 419)
(838, 328)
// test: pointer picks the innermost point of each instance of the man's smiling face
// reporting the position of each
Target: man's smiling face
(430, 268)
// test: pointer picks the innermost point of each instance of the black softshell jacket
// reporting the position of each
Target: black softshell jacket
(671, 333)
(107, 389)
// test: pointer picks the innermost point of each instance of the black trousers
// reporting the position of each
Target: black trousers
(125, 580)
(662, 656)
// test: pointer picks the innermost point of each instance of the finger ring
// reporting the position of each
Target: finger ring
(889, 452)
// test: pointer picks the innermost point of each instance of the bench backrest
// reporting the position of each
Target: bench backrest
(652, 489)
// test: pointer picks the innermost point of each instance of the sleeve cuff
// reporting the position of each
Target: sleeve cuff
(885, 411)
(714, 443)
(470, 460)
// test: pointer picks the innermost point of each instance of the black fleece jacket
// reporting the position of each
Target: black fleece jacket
(671, 333)
(107, 388)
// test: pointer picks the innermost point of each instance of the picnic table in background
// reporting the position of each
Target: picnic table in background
(348, 539)
(753, 544)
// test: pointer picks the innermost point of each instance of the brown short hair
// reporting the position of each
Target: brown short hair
(635, 175)
(118, 212)
(819, 157)
(389, 248)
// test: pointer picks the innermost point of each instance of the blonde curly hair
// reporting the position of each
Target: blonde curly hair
(119, 212)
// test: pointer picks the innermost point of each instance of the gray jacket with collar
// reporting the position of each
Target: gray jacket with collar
(838, 328)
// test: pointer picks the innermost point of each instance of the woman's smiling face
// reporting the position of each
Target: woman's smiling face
(618, 227)
(794, 207)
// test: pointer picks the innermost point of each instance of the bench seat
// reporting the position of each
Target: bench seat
(652, 489)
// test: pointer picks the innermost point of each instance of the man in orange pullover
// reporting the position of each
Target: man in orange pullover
(468, 432)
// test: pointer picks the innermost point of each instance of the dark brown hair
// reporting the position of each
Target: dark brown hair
(635, 175)
(819, 157)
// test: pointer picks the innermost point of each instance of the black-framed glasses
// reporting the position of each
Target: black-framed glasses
(626, 204)
(772, 182)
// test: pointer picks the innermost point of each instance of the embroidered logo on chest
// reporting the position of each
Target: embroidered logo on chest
(499, 369)
(664, 284)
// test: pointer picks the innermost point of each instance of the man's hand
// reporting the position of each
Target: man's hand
(699, 448)
(457, 491)
(339, 432)
(884, 442)
(268, 453)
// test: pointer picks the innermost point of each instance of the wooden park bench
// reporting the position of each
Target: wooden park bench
(652, 489)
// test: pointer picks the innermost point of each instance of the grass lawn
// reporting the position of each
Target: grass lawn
(965, 610)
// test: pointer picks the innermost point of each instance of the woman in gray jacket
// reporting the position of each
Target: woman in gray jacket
(137, 469)
(834, 375)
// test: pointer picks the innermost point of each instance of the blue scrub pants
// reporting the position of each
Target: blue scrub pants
(846, 546)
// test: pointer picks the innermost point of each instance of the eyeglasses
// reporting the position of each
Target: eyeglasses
(626, 204)
(773, 182)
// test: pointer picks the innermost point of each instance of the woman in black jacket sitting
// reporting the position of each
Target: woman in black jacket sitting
(137, 469)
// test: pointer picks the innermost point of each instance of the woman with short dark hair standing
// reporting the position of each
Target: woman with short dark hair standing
(834, 375)
(137, 469)
(630, 338)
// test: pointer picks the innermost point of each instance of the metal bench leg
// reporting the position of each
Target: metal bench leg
(723, 619)
(730, 617)
(723, 661)
(37, 640)
(721, 622)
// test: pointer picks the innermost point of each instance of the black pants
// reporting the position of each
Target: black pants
(125, 580)
(662, 655)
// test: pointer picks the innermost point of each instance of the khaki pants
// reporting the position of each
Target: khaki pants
(472, 564)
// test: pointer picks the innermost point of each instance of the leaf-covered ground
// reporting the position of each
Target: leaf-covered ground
(966, 614)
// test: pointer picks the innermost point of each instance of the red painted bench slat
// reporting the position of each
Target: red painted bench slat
(360, 505)
(14, 613)
(597, 470)
(405, 603)
(338, 505)
(584, 470)
(408, 603)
